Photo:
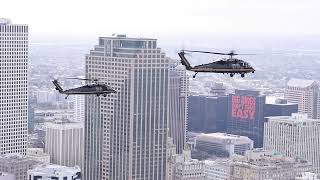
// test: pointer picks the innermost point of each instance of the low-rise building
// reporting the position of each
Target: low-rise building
(38, 155)
(17, 164)
(222, 144)
(259, 164)
(55, 172)
(217, 170)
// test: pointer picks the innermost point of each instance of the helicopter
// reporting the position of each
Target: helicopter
(229, 65)
(93, 88)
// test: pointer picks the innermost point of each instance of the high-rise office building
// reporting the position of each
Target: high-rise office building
(318, 105)
(280, 108)
(246, 115)
(78, 108)
(64, 143)
(178, 102)
(304, 93)
(207, 114)
(126, 132)
(294, 136)
(13, 87)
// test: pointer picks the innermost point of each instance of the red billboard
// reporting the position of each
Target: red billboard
(243, 107)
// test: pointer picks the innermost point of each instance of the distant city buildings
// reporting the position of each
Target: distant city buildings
(241, 113)
(222, 144)
(17, 164)
(65, 143)
(294, 136)
(178, 106)
(305, 94)
(258, 164)
(6, 176)
(38, 155)
(50, 114)
(13, 87)
(53, 171)
(218, 89)
(126, 133)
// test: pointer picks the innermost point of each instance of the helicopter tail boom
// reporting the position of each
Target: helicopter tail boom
(184, 61)
(57, 85)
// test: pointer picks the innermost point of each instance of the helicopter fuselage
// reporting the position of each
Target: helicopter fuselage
(224, 66)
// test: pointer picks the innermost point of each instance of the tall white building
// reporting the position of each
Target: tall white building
(13, 87)
(17, 164)
(126, 132)
(318, 105)
(78, 108)
(258, 164)
(295, 136)
(64, 143)
(304, 93)
(178, 106)
(56, 172)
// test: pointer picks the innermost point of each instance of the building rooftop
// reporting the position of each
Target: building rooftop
(224, 138)
(56, 170)
(123, 36)
(295, 118)
(266, 159)
(301, 83)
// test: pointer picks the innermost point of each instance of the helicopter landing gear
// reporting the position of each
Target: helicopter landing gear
(242, 75)
(252, 71)
(231, 74)
(195, 75)
(66, 97)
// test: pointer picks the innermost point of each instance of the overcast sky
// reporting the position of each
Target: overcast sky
(139, 17)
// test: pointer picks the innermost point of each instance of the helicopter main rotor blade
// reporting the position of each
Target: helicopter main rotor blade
(83, 79)
(208, 52)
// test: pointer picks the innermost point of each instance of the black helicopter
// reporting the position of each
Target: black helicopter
(229, 65)
(93, 88)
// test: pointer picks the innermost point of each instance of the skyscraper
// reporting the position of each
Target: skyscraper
(304, 93)
(78, 108)
(13, 87)
(64, 143)
(126, 133)
(246, 115)
(178, 106)
(294, 136)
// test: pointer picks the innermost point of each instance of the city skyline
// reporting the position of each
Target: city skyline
(160, 123)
